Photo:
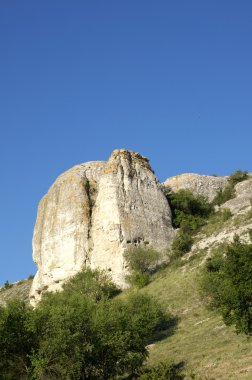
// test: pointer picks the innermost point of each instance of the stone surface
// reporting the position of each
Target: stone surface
(243, 199)
(199, 184)
(130, 209)
(92, 213)
(61, 233)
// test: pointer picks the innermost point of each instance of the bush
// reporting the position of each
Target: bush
(181, 244)
(17, 340)
(142, 259)
(224, 195)
(237, 176)
(227, 285)
(81, 333)
(228, 192)
(189, 213)
(138, 279)
(189, 209)
(162, 371)
(142, 262)
(7, 285)
(94, 284)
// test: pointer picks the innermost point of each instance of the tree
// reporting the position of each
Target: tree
(142, 262)
(227, 284)
(189, 209)
(83, 332)
(17, 340)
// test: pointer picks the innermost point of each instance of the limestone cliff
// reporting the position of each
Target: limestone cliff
(243, 198)
(204, 185)
(92, 213)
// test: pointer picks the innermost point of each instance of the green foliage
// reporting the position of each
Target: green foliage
(181, 244)
(227, 284)
(84, 332)
(142, 262)
(16, 339)
(138, 279)
(142, 259)
(189, 210)
(225, 214)
(224, 195)
(93, 284)
(7, 285)
(238, 176)
(162, 371)
(250, 234)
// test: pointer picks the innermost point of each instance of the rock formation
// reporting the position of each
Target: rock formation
(204, 185)
(92, 214)
(243, 199)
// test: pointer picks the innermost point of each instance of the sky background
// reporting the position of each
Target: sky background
(78, 79)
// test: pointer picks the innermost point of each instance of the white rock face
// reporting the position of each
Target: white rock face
(92, 213)
(204, 185)
(61, 233)
(242, 201)
(130, 209)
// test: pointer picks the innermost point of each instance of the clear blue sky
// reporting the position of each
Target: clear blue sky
(169, 79)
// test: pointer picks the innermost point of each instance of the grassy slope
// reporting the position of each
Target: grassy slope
(19, 290)
(209, 349)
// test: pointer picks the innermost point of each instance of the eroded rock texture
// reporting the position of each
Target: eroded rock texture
(243, 199)
(204, 185)
(92, 213)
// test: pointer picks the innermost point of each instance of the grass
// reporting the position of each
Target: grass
(209, 349)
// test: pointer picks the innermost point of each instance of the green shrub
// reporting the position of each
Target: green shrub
(238, 176)
(189, 213)
(228, 192)
(94, 284)
(142, 259)
(162, 371)
(181, 244)
(188, 208)
(250, 234)
(84, 332)
(138, 279)
(224, 195)
(7, 285)
(142, 262)
(225, 214)
(227, 284)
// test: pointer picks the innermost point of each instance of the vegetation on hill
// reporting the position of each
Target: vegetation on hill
(92, 331)
(189, 213)
(227, 284)
(142, 262)
(224, 195)
(84, 332)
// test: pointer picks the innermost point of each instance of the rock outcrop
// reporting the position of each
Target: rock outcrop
(204, 185)
(243, 199)
(92, 214)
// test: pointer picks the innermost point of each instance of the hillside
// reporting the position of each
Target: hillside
(198, 338)
(18, 290)
(208, 348)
